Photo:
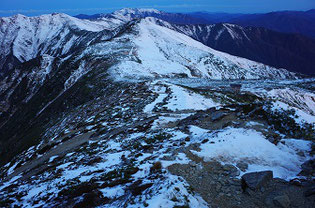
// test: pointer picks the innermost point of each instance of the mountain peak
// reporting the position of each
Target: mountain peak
(134, 11)
(17, 16)
(43, 16)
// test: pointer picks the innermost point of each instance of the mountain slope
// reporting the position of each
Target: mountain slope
(28, 89)
(289, 51)
(298, 22)
(75, 133)
(216, 17)
(57, 35)
(24, 38)
(162, 52)
(281, 50)
(138, 49)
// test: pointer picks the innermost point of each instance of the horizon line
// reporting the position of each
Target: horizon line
(113, 9)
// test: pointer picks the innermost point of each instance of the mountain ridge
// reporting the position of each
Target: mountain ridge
(129, 115)
(299, 22)
(114, 51)
(62, 24)
(266, 46)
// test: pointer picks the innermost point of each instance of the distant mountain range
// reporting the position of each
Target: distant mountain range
(300, 22)
(129, 14)
(287, 21)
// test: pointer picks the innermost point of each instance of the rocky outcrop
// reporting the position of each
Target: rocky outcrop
(256, 180)
(308, 168)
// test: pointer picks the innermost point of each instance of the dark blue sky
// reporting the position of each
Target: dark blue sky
(35, 7)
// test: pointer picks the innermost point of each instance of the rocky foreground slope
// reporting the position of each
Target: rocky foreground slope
(128, 116)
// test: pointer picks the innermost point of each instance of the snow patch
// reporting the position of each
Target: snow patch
(300, 116)
(76, 75)
(182, 99)
(233, 145)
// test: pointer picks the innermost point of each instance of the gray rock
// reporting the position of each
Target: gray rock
(262, 189)
(228, 167)
(301, 154)
(242, 166)
(217, 115)
(308, 168)
(235, 173)
(282, 201)
(255, 180)
(231, 170)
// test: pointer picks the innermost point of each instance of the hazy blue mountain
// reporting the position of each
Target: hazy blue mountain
(283, 21)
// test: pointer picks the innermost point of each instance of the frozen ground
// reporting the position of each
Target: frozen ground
(126, 163)
(235, 145)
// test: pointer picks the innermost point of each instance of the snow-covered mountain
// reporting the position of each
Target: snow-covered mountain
(281, 50)
(43, 57)
(159, 51)
(57, 34)
(128, 14)
(287, 21)
(24, 38)
(117, 113)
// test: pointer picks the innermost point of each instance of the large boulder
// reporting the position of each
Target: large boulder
(255, 180)
(308, 168)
